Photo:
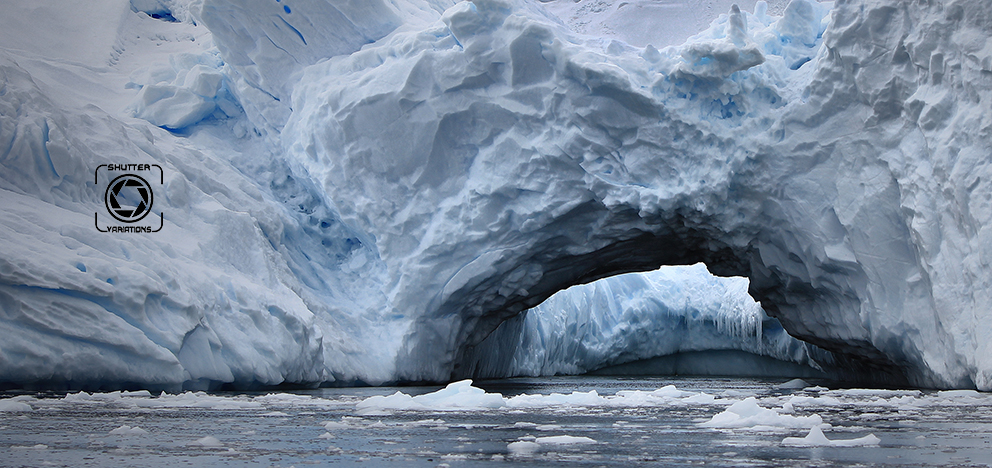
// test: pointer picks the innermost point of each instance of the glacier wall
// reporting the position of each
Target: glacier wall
(379, 185)
(250, 268)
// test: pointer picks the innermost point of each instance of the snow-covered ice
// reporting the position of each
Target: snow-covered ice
(8, 406)
(747, 413)
(208, 442)
(128, 431)
(455, 397)
(815, 438)
(364, 194)
(531, 445)
(564, 440)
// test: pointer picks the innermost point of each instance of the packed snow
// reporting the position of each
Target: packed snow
(363, 194)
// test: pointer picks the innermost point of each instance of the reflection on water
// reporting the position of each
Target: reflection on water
(627, 421)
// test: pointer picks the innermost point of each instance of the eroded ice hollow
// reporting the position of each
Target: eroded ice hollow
(672, 321)
(364, 191)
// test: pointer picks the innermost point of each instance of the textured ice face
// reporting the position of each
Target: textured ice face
(414, 178)
(522, 159)
(267, 43)
(496, 159)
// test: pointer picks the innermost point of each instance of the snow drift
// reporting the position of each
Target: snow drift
(364, 191)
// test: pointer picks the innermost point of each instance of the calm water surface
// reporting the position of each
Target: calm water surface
(325, 427)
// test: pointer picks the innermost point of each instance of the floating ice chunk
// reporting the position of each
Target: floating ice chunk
(529, 445)
(434, 423)
(565, 440)
(662, 396)
(335, 425)
(700, 399)
(13, 406)
(288, 399)
(461, 395)
(182, 400)
(962, 394)
(29, 447)
(670, 391)
(126, 430)
(456, 396)
(793, 384)
(590, 398)
(813, 401)
(207, 442)
(747, 413)
(397, 401)
(815, 438)
(523, 447)
(873, 393)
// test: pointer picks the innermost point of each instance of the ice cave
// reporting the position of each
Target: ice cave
(383, 191)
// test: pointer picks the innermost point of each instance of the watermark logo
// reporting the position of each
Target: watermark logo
(129, 198)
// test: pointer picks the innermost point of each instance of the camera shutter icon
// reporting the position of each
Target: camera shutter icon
(129, 198)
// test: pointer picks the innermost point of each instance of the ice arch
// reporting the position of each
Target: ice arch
(671, 321)
(494, 159)
(416, 177)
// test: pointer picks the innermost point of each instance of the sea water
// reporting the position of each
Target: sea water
(560, 421)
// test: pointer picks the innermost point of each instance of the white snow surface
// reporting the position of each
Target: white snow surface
(361, 192)
(747, 413)
(642, 23)
(816, 438)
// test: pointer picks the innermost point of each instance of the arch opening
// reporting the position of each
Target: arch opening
(493, 308)
(678, 320)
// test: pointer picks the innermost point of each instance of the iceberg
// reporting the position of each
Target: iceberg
(364, 191)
